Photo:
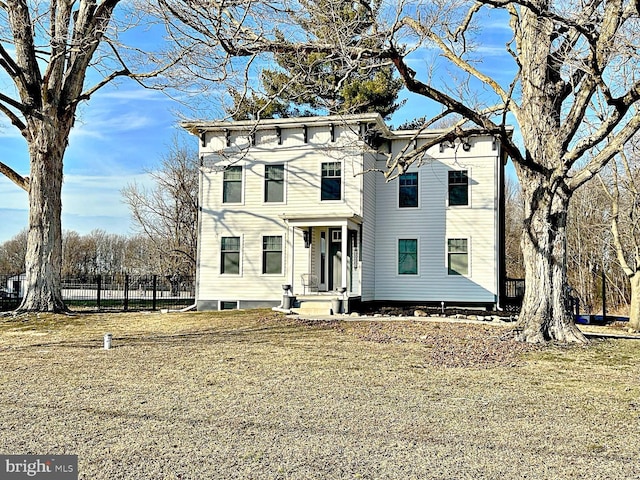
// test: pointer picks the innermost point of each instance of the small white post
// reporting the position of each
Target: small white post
(107, 341)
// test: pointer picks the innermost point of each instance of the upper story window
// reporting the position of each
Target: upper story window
(407, 256)
(458, 187)
(408, 190)
(331, 183)
(272, 255)
(232, 185)
(273, 183)
(230, 255)
(458, 256)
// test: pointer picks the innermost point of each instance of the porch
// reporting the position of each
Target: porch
(323, 260)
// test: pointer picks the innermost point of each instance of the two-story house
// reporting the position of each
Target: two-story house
(303, 202)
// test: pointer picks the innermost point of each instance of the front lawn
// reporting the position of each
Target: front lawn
(256, 395)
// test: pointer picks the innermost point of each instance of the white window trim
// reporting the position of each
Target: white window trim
(469, 189)
(241, 259)
(282, 259)
(342, 182)
(398, 207)
(284, 184)
(446, 256)
(397, 257)
(242, 188)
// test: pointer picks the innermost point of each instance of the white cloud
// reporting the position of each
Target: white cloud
(90, 196)
(132, 94)
(104, 124)
(89, 202)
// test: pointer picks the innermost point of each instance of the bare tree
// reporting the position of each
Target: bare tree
(588, 245)
(12, 253)
(47, 50)
(167, 214)
(100, 252)
(573, 96)
(514, 216)
(624, 193)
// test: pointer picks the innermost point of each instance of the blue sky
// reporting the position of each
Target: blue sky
(124, 130)
(121, 132)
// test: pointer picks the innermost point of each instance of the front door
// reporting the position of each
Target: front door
(334, 260)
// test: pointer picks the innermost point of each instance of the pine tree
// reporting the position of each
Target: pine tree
(308, 84)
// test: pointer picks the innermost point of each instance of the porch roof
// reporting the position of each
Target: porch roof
(322, 220)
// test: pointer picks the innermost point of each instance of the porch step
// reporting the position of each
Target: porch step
(313, 306)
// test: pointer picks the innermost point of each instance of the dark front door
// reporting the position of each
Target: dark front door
(335, 258)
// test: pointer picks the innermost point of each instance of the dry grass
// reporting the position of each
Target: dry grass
(255, 395)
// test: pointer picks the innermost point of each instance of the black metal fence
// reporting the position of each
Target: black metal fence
(514, 293)
(117, 292)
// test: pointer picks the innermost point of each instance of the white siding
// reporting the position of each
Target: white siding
(433, 223)
(365, 196)
(254, 218)
(368, 266)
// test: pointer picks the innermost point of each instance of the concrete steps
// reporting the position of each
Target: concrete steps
(316, 305)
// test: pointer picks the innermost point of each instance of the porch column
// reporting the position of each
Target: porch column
(344, 243)
(291, 240)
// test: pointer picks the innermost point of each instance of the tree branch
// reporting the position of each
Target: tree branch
(459, 62)
(15, 177)
(615, 145)
(416, 86)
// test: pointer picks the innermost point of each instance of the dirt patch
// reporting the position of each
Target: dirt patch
(445, 344)
(409, 310)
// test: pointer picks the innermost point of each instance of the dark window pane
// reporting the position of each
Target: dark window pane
(331, 183)
(232, 185)
(230, 255)
(274, 183)
(272, 255)
(408, 191)
(331, 189)
(230, 243)
(458, 188)
(408, 257)
(458, 256)
(231, 263)
(273, 262)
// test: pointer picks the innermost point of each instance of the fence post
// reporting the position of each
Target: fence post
(604, 296)
(98, 293)
(126, 292)
(155, 290)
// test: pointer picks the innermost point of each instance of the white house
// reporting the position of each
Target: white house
(303, 202)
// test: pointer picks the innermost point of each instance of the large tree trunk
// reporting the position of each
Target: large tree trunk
(545, 313)
(44, 241)
(634, 308)
(546, 310)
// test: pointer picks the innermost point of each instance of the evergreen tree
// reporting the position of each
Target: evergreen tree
(306, 84)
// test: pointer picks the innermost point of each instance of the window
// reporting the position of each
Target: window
(230, 255)
(272, 255)
(228, 305)
(331, 186)
(408, 190)
(458, 256)
(407, 256)
(232, 185)
(274, 183)
(458, 187)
